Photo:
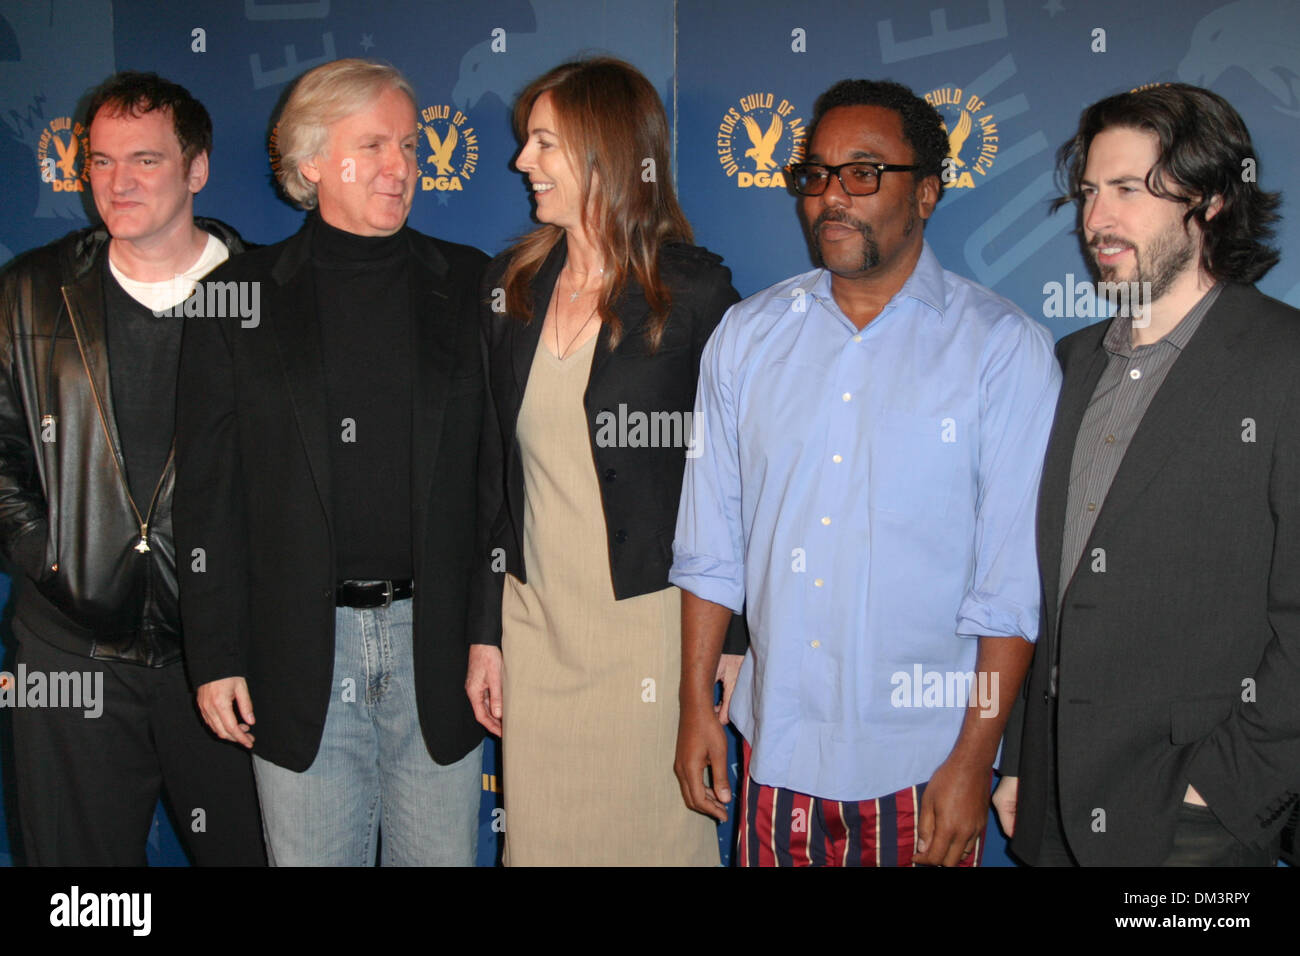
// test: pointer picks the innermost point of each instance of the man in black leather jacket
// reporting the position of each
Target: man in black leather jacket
(89, 349)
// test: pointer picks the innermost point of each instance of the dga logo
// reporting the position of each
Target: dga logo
(448, 149)
(756, 141)
(972, 136)
(61, 154)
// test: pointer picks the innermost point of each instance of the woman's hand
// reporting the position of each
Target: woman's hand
(728, 671)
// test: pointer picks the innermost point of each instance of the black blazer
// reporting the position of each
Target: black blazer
(252, 490)
(1180, 661)
(640, 487)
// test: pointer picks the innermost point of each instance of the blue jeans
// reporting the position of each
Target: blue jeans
(373, 772)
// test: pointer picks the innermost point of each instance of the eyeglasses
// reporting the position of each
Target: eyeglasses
(857, 179)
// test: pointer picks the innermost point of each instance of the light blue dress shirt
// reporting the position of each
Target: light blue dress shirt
(870, 497)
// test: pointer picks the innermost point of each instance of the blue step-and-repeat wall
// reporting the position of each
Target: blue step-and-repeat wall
(1009, 76)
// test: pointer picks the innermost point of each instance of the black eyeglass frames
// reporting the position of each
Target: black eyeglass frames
(857, 179)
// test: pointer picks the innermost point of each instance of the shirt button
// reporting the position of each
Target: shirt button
(1110, 439)
(1092, 506)
(1135, 373)
(836, 458)
(816, 643)
(610, 474)
(857, 338)
(819, 582)
(826, 520)
(620, 535)
(846, 396)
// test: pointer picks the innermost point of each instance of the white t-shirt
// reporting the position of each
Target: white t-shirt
(162, 295)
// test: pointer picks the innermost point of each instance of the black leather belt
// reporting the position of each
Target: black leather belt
(371, 593)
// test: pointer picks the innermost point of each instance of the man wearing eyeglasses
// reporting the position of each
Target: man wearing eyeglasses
(873, 432)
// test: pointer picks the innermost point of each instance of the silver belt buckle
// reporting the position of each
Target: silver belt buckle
(388, 594)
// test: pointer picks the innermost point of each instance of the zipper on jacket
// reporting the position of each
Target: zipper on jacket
(143, 544)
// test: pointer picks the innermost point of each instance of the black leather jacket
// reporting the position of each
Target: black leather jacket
(103, 566)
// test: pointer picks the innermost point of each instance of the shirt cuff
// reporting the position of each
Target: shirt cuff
(980, 617)
(722, 582)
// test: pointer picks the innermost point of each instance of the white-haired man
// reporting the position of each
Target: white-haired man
(326, 493)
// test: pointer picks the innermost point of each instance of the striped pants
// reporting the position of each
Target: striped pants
(780, 827)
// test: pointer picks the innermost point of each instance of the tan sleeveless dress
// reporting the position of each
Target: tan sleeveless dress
(590, 683)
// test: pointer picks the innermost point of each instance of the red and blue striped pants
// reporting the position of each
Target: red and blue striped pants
(779, 827)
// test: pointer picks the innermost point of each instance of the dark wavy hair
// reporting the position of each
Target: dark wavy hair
(922, 124)
(138, 93)
(610, 120)
(1203, 143)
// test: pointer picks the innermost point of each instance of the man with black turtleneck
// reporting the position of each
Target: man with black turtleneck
(325, 498)
(368, 380)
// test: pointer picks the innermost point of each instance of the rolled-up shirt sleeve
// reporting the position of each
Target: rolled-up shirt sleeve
(1019, 387)
(708, 548)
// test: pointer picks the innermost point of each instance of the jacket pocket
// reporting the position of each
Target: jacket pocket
(1194, 719)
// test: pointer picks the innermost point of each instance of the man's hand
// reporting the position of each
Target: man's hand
(955, 808)
(1004, 801)
(728, 671)
(215, 704)
(954, 812)
(702, 742)
(483, 685)
(701, 739)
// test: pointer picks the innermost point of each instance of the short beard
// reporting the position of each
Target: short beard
(870, 250)
(1165, 259)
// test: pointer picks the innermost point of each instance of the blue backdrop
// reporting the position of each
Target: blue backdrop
(1009, 76)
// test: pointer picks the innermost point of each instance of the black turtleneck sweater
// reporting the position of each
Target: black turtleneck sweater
(364, 302)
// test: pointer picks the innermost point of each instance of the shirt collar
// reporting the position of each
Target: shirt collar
(1119, 336)
(925, 284)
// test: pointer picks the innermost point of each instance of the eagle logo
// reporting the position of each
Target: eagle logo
(765, 130)
(972, 134)
(763, 143)
(61, 153)
(67, 157)
(442, 148)
(957, 137)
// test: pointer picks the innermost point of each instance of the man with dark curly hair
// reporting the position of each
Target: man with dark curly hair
(1160, 720)
(873, 432)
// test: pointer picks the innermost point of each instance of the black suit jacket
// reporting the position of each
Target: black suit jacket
(640, 486)
(1179, 634)
(253, 491)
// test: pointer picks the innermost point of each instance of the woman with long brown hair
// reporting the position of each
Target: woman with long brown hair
(594, 323)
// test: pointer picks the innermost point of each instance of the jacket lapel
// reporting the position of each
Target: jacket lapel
(632, 310)
(525, 338)
(1175, 414)
(433, 343)
(1076, 394)
(85, 301)
(296, 325)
